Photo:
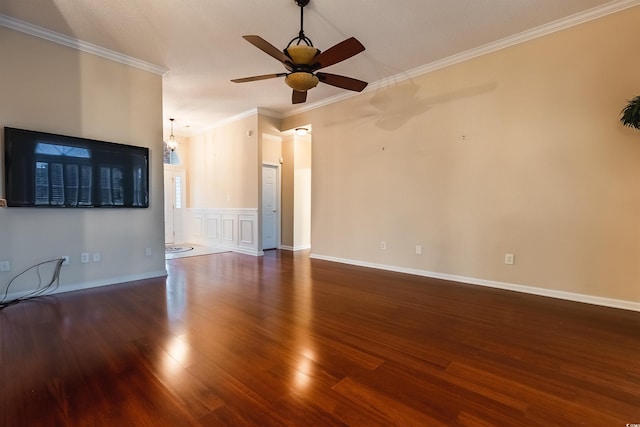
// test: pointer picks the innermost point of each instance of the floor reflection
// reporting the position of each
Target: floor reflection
(177, 352)
(176, 295)
(304, 369)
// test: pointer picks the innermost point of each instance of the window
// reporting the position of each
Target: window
(111, 188)
(178, 199)
(170, 157)
(62, 175)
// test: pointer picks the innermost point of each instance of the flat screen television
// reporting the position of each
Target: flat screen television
(56, 171)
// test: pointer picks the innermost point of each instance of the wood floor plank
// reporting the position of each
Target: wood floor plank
(392, 409)
(284, 340)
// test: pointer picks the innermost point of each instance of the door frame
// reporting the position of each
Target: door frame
(178, 220)
(278, 231)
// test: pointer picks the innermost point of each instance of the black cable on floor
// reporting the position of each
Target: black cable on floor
(39, 290)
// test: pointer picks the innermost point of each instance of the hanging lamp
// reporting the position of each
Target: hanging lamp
(172, 144)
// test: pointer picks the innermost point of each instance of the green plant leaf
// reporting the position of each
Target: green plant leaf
(631, 113)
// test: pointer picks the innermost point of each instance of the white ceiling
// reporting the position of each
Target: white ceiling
(200, 42)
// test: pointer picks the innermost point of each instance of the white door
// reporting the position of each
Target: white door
(173, 203)
(270, 213)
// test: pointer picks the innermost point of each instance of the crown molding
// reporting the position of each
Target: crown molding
(52, 36)
(251, 112)
(570, 21)
(231, 119)
(269, 113)
(525, 36)
(534, 33)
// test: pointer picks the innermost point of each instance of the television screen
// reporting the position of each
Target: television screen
(47, 170)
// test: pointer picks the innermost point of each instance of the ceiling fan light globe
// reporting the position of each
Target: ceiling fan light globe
(302, 54)
(301, 81)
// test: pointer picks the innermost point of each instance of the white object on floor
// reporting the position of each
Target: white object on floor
(196, 251)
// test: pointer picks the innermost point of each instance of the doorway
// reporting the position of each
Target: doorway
(174, 185)
(270, 206)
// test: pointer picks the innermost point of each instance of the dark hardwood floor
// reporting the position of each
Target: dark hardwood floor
(235, 340)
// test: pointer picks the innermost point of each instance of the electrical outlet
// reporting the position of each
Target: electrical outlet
(65, 260)
(96, 257)
(84, 257)
(5, 266)
(383, 245)
(418, 249)
(147, 252)
(509, 259)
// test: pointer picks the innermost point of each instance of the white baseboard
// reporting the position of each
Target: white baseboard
(294, 248)
(92, 284)
(570, 296)
(245, 251)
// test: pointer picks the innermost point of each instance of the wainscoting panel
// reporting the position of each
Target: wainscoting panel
(196, 226)
(228, 229)
(248, 231)
(235, 230)
(212, 227)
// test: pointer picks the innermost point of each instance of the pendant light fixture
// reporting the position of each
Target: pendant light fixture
(172, 144)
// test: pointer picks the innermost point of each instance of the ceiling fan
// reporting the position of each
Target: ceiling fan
(302, 61)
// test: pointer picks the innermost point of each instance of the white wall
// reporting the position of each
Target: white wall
(234, 230)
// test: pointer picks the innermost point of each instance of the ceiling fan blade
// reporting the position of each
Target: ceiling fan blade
(268, 48)
(262, 77)
(342, 81)
(343, 50)
(298, 97)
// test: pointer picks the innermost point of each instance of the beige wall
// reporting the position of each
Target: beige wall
(57, 89)
(296, 191)
(518, 151)
(302, 193)
(287, 186)
(271, 149)
(222, 166)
